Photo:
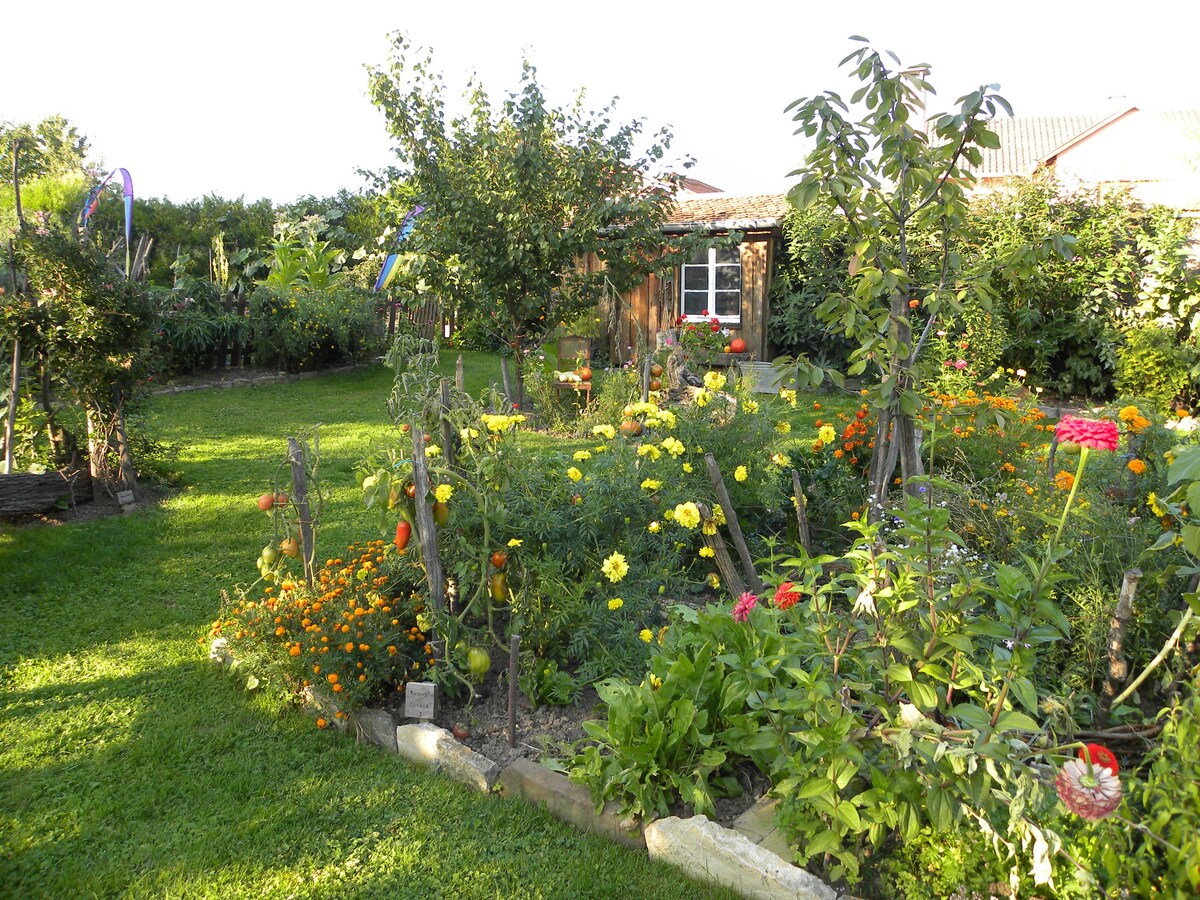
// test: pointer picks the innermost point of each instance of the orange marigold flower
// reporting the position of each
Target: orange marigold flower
(295, 651)
(333, 677)
(1136, 466)
(321, 723)
(1064, 480)
(337, 688)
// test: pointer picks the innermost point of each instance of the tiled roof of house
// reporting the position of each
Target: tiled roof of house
(719, 210)
(1027, 142)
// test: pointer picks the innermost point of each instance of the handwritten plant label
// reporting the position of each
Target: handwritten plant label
(420, 700)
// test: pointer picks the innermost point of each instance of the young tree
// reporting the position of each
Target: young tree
(891, 175)
(518, 194)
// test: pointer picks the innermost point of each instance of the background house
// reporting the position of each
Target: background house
(729, 283)
(1156, 155)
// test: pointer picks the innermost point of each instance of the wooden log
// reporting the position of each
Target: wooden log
(731, 522)
(729, 573)
(300, 498)
(1118, 667)
(804, 535)
(25, 493)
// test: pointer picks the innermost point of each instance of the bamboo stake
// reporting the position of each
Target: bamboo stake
(729, 571)
(1118, 668)
(735, 530)
(801, 513)
(1154, 663)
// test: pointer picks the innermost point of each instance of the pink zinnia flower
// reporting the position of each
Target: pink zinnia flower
(786, 596)
(1089, 790)
(960, 364)
(1099, 435)
(745, 603)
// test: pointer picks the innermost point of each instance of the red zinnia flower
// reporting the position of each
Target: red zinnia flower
(1099, 435)
(786, 596)
(1099, 755)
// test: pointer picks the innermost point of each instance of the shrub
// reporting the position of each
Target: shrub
(298, 328)
(1151, 364)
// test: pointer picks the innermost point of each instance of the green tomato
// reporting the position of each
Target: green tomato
(478, 661)
(269, 554)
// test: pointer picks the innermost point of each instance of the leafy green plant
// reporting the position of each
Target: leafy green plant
(301, 328)
(657, 744)
(1152, 364)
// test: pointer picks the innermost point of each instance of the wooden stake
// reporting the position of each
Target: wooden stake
(508, 397)
(300, 498)
(514, 650)
(426, 527)
(11, 422)
(449, 438)
(801, 513)
(729, 573)
(459, 380)
(735, 530)
(646, 380)
(1118, 668)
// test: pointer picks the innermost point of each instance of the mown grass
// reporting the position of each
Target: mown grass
(130, 766)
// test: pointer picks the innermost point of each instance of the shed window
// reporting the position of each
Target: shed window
(711, 285)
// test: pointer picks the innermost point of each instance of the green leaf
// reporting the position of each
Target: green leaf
(847, 813)
(815, 787)
(1013, 720)
(923, 694)
(1191, 539)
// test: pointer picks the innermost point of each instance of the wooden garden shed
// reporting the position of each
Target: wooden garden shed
(732, 284)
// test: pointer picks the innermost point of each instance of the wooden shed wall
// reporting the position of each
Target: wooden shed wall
(653, 305)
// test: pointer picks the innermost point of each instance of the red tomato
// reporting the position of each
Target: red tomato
(403, 533)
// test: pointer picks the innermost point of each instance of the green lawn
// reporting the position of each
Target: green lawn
(129, 766)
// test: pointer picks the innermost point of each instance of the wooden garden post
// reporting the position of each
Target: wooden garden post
(733, 581)
(11, 422)
(735, 530)
(300, 498)
(426, 528)
(801, 513)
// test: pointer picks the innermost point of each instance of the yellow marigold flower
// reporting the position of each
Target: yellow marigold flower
(574, 474)
(827, 434)
(708, 552)
(615, 603)
(654, 527)
(646, 635)
(581, 455)
(718, 514)
(515, 542)
(468, 434)
(687, 467)
(741, 473)
(607, 431)
(714, 581)
(443, 492)
(651, 484)
(714, 381)
(615, 567)
(1136, 466)
(1064, 480)
(433, 450)
(687, 514)
(781, 459)
(655, 682)
(649, 450)
(783, 427)
(788, 396)
(709, 527)
(750, 406)
(674, 446)
(701, 397)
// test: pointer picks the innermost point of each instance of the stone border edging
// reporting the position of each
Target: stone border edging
(702, 849)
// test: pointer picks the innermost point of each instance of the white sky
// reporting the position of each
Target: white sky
(260, 98)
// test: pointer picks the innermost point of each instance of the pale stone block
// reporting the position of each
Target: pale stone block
(709, 852)
(374, 726)
(428, 744)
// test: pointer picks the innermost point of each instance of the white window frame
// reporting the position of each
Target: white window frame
(711, 267)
